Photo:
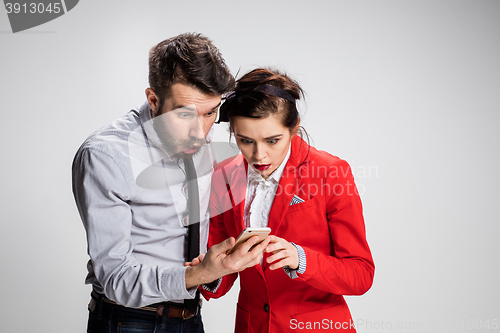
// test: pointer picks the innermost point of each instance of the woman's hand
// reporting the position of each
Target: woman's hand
(283, 251)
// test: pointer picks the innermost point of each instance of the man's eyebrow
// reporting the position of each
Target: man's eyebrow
(190, 108)
(187, 108)
(217, 106)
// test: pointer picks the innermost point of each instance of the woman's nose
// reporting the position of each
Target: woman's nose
(259, 152)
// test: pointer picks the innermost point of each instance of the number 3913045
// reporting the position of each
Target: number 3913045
(33, 8)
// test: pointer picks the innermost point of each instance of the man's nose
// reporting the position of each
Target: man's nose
(196, 130)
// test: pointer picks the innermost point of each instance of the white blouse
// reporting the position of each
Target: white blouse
(260, 195)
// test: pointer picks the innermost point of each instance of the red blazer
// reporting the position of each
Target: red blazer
(328, 225)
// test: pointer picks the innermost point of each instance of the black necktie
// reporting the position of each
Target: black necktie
(193, 205)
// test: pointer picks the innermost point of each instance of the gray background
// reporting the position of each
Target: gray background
(407, 91)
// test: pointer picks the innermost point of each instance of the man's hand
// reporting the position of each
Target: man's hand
(284, 252)
(216, 263)
(196, 261)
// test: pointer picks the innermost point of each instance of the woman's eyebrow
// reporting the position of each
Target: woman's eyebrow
(273, 137)
(268, 138)
(243, 137)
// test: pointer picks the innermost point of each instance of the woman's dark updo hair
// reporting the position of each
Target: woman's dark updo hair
(250, 100)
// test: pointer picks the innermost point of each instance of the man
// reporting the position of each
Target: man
(142, 185)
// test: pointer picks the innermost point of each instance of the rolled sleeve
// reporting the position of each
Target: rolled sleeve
(173, 284)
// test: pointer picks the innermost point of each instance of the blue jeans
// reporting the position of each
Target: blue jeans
(114, 319)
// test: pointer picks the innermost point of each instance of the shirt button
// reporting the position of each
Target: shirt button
(185, 221)
(266, 307)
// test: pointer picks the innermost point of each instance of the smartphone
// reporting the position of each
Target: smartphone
(250, 232)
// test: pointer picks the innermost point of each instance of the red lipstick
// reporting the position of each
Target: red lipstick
(261, 167)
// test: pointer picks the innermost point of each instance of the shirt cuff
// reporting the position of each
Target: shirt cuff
(212, 286)
(292, 273)
(173, 284)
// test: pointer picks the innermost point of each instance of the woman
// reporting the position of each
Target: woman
(317, 249)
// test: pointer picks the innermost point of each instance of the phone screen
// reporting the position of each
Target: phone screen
(248, 233)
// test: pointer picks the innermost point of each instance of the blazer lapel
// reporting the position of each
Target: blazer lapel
(288, 186)
(286, 189)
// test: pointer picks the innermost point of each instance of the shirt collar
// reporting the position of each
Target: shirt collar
(275, 177)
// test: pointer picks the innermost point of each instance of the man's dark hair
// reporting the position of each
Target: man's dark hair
(190, 59)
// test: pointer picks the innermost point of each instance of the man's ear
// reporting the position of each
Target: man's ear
(153, 101)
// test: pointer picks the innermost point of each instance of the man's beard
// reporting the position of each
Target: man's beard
(175, 148)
